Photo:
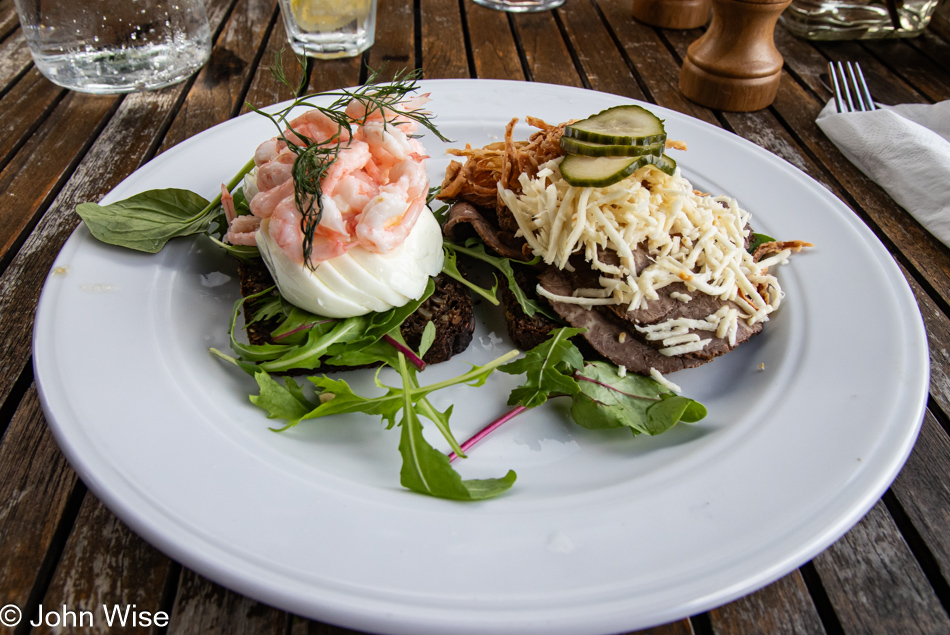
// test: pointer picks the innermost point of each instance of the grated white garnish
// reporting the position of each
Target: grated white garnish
(622, 371)
(663, 381)
(682, 297)
(691, 238)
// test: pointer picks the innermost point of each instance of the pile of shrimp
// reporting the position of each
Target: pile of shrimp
(372, 193)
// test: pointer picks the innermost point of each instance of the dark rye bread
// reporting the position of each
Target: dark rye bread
(449, 308)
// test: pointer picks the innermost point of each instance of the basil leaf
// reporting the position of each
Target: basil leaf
(146, 221)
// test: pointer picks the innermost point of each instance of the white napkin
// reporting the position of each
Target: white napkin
(906, 150)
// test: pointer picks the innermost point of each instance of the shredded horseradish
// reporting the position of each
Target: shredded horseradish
(695, 239)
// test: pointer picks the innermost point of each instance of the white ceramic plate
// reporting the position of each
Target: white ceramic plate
(601, 533)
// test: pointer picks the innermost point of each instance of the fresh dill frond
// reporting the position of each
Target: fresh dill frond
(314, 157)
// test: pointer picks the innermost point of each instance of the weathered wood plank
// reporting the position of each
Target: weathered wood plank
(656, 66)
(937, 325)
(122, 146)
(443, 40)
(546, 52)
(35, 486)
(204, 608)
(493, 45)
(25, 106)
(395, 46)
(875, 584)
(264, 88)
(783, 607)
(218, 91)
(602, 62)
(14, 59)
(799, 109)
(105, 564)
(681, 627)
(31, 178)
(923, 489)
(8, 18)
(928, 77)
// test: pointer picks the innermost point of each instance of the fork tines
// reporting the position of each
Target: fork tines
(851, 91)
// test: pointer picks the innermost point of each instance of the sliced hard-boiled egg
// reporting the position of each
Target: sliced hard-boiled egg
(359, 281)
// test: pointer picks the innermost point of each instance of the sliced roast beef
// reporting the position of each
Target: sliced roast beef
(633, 349)
(503, 243)
(615, 342)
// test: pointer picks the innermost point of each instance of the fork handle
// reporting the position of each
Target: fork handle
(735, 65)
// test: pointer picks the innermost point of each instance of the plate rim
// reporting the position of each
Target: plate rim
(215, 570)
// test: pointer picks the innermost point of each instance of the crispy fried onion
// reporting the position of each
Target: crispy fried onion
(476, 181)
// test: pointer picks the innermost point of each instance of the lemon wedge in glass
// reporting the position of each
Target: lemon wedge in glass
(328, 15)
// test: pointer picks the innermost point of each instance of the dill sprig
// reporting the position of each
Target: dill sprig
(314, 157)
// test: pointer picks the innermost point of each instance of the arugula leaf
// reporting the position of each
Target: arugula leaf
(549, 369)
(758, 240)
(428, 471)
(428, 338)
(308, 356)
(241, 252)
(476, 249)
(281, 402)
(252, 352)
(450, 268)
(425, 470)
(146, 221)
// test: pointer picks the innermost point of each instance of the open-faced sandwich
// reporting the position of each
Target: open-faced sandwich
(661, 277)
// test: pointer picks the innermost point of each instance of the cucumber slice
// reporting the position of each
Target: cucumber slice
(620, 125)
(581, 171)
(665, 163)
(576, 146)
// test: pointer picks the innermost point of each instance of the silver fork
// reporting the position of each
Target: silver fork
(851, 91)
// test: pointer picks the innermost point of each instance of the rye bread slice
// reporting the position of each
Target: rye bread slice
(449, 308)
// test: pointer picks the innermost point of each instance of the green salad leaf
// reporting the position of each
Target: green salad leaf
(758, 240)
(548, 369)
(146, 221)
(601, 397)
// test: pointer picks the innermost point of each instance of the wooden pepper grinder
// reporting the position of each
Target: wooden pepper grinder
(672, 14)
(735, 65)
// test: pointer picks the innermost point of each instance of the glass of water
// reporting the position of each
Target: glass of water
(328, 29)
(116, 46)
(858, 19)
(521, 6)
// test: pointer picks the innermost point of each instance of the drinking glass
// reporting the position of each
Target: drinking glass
(328, 29)
(521, 6)
(116, 46)
(858, 19)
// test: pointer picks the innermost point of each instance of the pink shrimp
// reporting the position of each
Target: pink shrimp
(277, 170)
(227, 202)
(266, 201)
(356, 111)
(241, 230)
(317, 127)
(389, 217)
(350, 159)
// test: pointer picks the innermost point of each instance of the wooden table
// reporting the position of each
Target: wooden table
(60, 545)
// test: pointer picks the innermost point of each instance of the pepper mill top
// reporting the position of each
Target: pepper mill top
(735, 65)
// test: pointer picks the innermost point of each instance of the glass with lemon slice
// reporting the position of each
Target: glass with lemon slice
(328, 29)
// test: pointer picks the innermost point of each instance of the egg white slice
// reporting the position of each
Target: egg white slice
(359, 281)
